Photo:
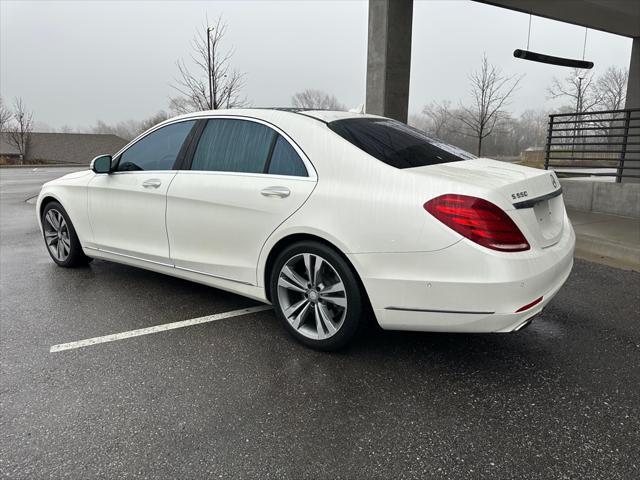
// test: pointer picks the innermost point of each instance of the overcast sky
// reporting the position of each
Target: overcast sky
(74, 62)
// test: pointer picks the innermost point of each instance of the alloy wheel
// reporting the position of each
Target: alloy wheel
(56, 234)
(312, 296)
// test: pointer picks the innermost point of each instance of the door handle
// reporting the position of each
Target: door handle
(280, 192)
(151, 183)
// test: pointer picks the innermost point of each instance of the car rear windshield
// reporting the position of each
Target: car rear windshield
(396, 143)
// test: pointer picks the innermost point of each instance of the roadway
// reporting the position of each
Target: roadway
(238, 398)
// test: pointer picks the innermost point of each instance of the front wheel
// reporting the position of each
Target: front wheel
(60, 237)
(317, 295)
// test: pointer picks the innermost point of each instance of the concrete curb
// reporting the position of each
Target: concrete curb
(609, 252)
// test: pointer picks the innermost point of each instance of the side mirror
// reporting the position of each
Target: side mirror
(101, 164)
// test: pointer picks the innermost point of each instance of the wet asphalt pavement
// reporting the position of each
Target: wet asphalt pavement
(238, 398)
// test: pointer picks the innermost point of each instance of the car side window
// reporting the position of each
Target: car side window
(232, 145)
(156, 151)
(285, 160)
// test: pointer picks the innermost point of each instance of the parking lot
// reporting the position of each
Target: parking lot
(238, 398)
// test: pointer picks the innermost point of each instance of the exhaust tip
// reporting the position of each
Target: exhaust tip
(522, 326)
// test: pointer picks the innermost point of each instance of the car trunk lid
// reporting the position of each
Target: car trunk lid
(532, 197)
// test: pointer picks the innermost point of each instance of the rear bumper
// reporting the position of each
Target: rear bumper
(465, 287)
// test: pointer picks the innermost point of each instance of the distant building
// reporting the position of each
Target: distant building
(8, 151)
(72, 148)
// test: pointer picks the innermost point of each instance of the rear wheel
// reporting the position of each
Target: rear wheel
(317, 295)
(60, 237)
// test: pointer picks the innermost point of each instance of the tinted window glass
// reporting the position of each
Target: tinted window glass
(285, 160)
(158, 150)
(396, 143)
(229, 145)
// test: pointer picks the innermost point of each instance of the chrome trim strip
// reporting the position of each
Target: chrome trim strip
(212, 275)
(170, 265)
(405, 309)
(130, 256)
(532, 201)
(141, 172)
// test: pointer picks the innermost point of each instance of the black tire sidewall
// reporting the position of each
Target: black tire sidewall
(76, 255)
(353, 318)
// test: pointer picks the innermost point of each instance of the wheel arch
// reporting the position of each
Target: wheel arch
(43, 201)
(76, 215)
(292, 238)
(46, 200)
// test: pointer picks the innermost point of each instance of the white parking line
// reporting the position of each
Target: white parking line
(158, 328)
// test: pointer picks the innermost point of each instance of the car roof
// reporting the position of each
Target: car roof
(324, 116)
(329, 115)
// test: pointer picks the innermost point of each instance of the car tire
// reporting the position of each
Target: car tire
(321, 306)
(60, 237)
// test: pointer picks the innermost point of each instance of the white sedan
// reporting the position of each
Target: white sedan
(327, 215)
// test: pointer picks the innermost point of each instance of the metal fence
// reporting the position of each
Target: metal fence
(603, 144)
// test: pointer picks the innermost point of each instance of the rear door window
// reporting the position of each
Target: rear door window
(232, 145)
(285, 160)
(396, 143)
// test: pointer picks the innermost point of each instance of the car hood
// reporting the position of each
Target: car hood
(69, 177)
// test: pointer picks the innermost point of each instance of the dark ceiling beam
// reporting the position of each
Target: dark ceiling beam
(620, 17)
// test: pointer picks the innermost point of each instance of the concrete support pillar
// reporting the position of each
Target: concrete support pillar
(633, 87)
(389, 58)
(633, 101)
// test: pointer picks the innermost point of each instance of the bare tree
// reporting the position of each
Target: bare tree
(531, 128)
(419, 121)
(20, 131)
(5, 116)
(208, 60)
(131, 128)
(611, 88)
(311, 98)
(125, 129)
(578, 87)
(490, 90)
(440, 117)
(516, 134)
(147, 123)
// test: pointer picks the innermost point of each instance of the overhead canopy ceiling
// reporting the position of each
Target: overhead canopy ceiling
(621, 17)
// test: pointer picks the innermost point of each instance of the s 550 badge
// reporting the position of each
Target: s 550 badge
(518, 195)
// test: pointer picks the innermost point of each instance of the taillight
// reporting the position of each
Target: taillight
(478, 220)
